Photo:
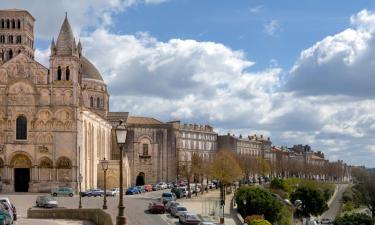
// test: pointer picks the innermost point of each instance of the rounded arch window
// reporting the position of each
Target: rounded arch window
(21, 128)
(91, 102)
(98, 102)
(67, 73)
(59, 73)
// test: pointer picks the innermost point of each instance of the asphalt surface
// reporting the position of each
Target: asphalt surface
(336, 204)
(135, 211)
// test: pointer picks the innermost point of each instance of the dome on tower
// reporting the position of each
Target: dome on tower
(89, 71)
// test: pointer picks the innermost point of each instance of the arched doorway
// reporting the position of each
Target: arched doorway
(140, 181)
(21, 164)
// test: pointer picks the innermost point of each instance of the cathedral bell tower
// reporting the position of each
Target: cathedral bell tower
(65, 69)
(16, 34)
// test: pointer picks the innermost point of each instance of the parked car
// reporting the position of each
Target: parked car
(141, 189)
(63, 191)
(133, 191)
(167, 197)
(178, 210)
(195, 188)
(148, 187)
(206, 223)
(5, 199)
(46, 201)
(5, 216)
(9, 209)
(156, 187)
(189, 219)
(326, 221)
(177, 192)
(170, 205)
(184, 191)
(14, 212)
(110, 193)
(170, 185)
(93, 192)
(116, 191)
(156, 207)
(163, 185)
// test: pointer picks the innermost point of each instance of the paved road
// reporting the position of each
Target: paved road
(136, 207)
(336, 203)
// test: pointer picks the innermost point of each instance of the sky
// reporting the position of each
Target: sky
(300, 72)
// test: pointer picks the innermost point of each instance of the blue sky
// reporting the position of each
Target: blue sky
(300, 72)
(240, 24)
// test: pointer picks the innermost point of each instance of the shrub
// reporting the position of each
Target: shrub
(347, 196)
(277, 183)
(354, 219)
(313, 200)
(249, 219)
(347, 207)
(258, 202)
(260, 222)
(285, 216)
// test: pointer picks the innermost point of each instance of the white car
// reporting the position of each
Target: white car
(162, 185)
(178, 210)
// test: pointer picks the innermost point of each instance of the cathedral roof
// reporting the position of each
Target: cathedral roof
(65, 44)
(142, 120)
(89, 71)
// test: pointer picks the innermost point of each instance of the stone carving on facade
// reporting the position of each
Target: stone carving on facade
(21, 161)
(43, 149)
(2, 149)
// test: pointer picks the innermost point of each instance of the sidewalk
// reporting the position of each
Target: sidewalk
(209, 203)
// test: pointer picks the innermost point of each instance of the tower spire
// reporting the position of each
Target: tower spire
(65, 44)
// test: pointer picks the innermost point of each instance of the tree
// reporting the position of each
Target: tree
(365, 193)
(313, 201)
(258, 201)
(225, 167)
(186, 172)
(354, 219)
(245, 162)
(197, 169)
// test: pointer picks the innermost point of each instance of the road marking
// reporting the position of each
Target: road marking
(166, 219)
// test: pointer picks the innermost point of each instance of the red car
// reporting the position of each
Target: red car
(156, 207)
(148, 187)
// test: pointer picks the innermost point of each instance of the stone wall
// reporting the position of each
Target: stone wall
(97, 216)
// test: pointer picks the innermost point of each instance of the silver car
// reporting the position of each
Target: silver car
(46, 201)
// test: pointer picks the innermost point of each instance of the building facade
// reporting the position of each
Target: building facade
(194, 139)
(254, 146)
(51, 129)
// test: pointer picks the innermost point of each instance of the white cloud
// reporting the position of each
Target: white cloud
(272, 27)
(341, 64)
(83, 14)
(256, 9)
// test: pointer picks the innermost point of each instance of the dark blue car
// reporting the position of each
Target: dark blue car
(133, 191)
(93, 192)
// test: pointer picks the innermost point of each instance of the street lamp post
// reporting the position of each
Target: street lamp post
(121, 138)
(244, 205)
(105, 168)
(80, 178)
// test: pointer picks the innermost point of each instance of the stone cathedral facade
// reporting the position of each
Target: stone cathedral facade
(52, 120)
